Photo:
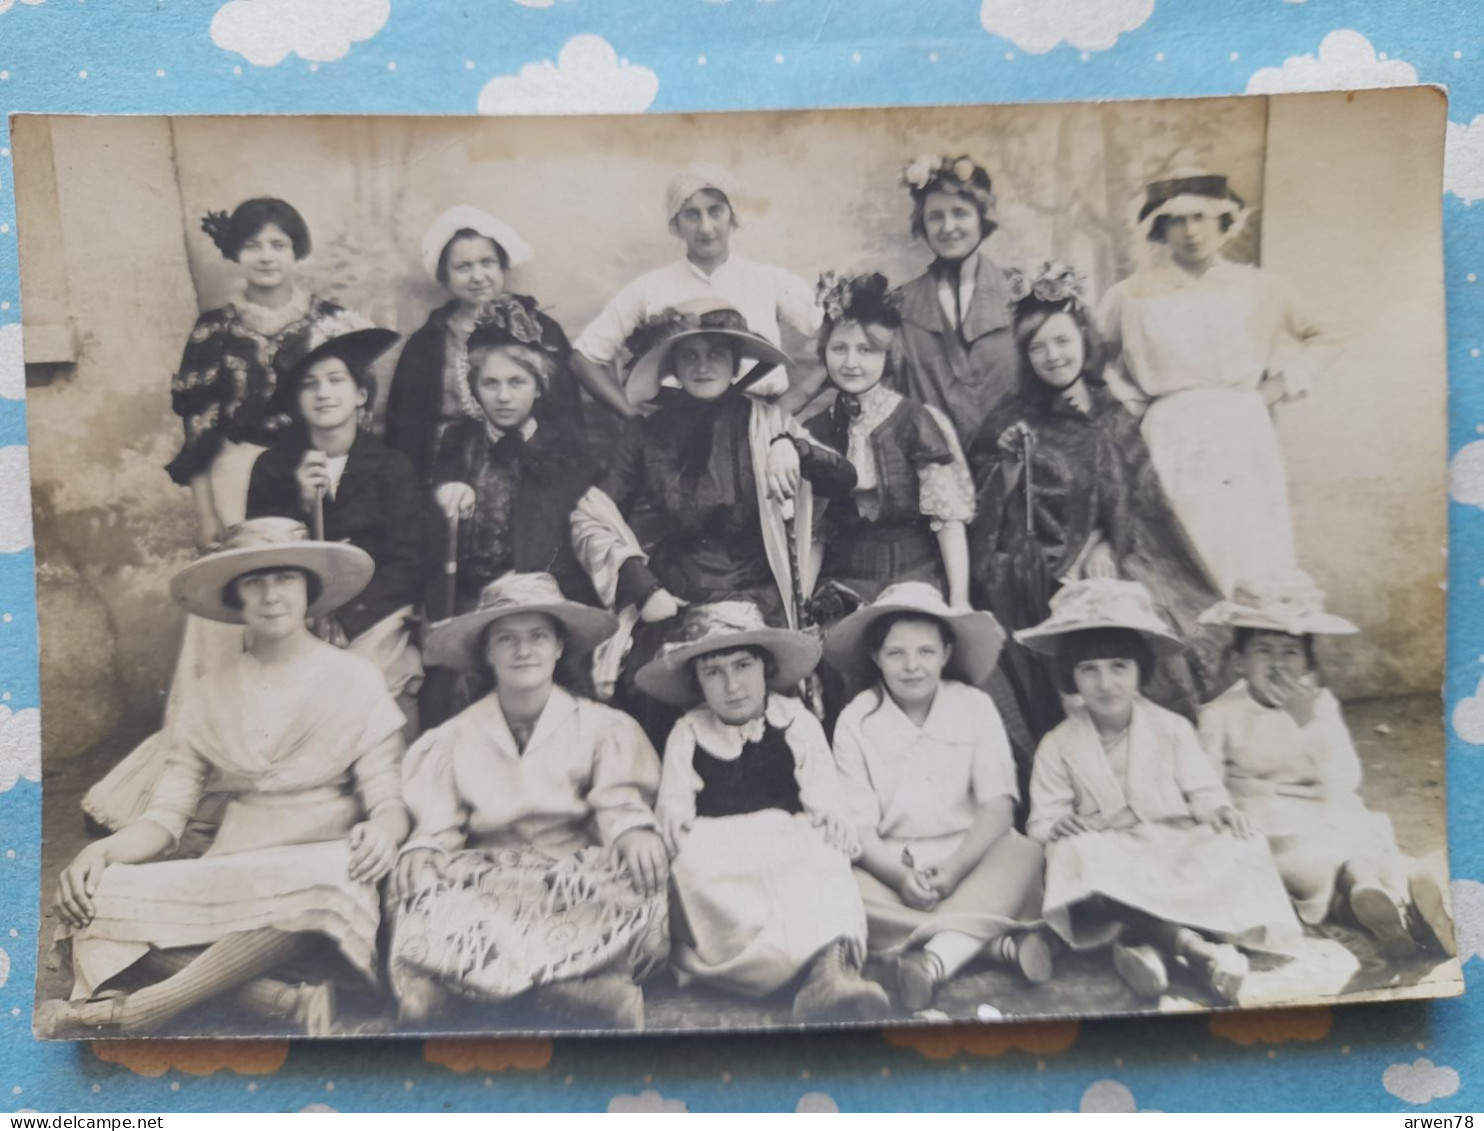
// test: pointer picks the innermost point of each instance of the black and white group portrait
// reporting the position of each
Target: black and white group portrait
(737, 571)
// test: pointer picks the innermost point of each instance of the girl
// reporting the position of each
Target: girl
(1278, 738)
(1067, 491)
(931, 789)
(470, 254)
(534, 861)
(749, 802)
(303, 742)
(1144, 847)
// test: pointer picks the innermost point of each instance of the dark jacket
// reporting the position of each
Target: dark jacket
(377, 506)
(902, 443)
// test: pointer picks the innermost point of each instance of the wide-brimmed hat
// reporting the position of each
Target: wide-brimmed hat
(343, 570)
(1183, 193)
(463, 217)
(1284, 601)
(693, 179)
(654, 339)
(977, 636)
(454, 643)
(358, 349)
(1100, 602)
(724, 626)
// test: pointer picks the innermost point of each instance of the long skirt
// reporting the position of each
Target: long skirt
(1218, 458)
(1002, 894)
(499, 922)
(1188, 874)
(193, 903)
(757, 896)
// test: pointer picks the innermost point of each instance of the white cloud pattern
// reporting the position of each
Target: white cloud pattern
(646, 1102)
(1107, 1096)
(15, 500)
(1087, 25)
(20, 746)
(588, 77)
(6, 5)
(1468, 918)
(266, 32)
(1346, 61)
(1466, 474)
(817, 1102)
(1468, 717)
(4, 967)
(1420, 1082)
(1463, 164)
(12, 362)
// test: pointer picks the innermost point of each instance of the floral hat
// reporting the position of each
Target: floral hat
(454, 643)
(507, 319)
(1285, 601)
(653, 339)
(724, 626)
(1187, 192)
(463, 217)
(956, 174)
(1100, 602)
(977, 636)
(1056, 286)
(858, 298)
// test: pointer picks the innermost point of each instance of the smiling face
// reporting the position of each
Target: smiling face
(1056, 351)
(522, 650)
(506, 390)
(1194, 238)
(329, 396)
(912, 657)
(704, 364)
(705, 223)
(734, 684)
(856, 356)
(1108, 687)
(474, 272)
(267, 258)
(1264, 656)
(274, 602)
(951, 225)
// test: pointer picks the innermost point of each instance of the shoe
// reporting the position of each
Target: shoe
(418, 999)
(313, 1008)
(1142, 969)
(1029, 952)
(1430, 924)
(59, 1019)
(919, 973)
(835, 990)
(603, 1001)
(1224, 971)
(1379, 914)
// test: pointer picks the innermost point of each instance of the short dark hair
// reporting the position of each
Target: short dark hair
(313, 586)
(1100, 644)
(878, 630)
(770, 665)
(481, 649)
(252, 216)
(362, 376)
(1028, 324)
(441, 271)
(1243, 636)
(1157, 228)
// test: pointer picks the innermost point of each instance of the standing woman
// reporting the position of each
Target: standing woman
(470, 253)
(1210, 345)
(957, 354)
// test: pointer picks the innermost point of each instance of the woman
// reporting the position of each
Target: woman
(1067, 491)
(957, 354)
(750, 807)
(303, 741)
(1209, 344)
(534, 861)
(930, 785)
(470, 253)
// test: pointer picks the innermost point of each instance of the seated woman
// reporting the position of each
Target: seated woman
(534, 861)
(1278, 738)
(749, 801)
(336, 477)
(304, 742)
(1144, 848)
(931, 788)
(1066, 491)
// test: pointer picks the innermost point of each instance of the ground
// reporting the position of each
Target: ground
(1400, 742)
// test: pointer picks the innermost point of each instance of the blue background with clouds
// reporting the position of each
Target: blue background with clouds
(518, 56)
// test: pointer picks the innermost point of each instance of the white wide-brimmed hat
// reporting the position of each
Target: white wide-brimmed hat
(695, 178)
(454, 643)
(725, 626)
(343, 570)
(661, 333)
(1100, 602)
(977, 636)
(466, 216)
(1284, 601)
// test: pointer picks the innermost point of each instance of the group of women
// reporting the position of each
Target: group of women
(805, 612)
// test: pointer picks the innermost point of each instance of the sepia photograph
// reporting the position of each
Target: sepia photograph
(724, 572)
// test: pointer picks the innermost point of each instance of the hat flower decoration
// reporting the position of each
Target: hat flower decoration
(841, 297)
(1054, 284)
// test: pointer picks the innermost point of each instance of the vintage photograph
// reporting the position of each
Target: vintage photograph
(737, 571)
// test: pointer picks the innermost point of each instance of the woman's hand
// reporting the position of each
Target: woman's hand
(455, 500)
(1228, 817)
(79, 882)
(373, 851)
(313, 477)
(417, 868)
(1297, 696)
(917, 891)
(1070, 825)
(1012, 440)
(643, 854)
(1101, 562)
(661, 606)
(782, 474)
(674, 830)
(837, 832)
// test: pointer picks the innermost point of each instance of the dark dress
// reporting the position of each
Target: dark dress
(1090, 474)
(414, 405)
(377, 506)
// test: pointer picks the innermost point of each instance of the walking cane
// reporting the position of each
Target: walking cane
(1027, 442)
(451, 567)
(801, 613)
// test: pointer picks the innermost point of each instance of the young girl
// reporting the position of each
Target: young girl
(931, 788)
(1144, 847)
(750, 805)
(1279, 739)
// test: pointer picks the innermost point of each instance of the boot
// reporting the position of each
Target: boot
(602, 1001)
(418, 999)
(311, 1006)
(835, 990)
(1428, 918)
(1142, 969)
(1224, 969)
(919, 973)
(1030, 953)
(59, 1019)
(1376, 911)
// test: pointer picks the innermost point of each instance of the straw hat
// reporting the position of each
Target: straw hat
(1100, 602)
(454, 643)
(710, 316)
(1285, 601)
(977, 636)
(461, 216)
(724, 626)
(343, 570)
